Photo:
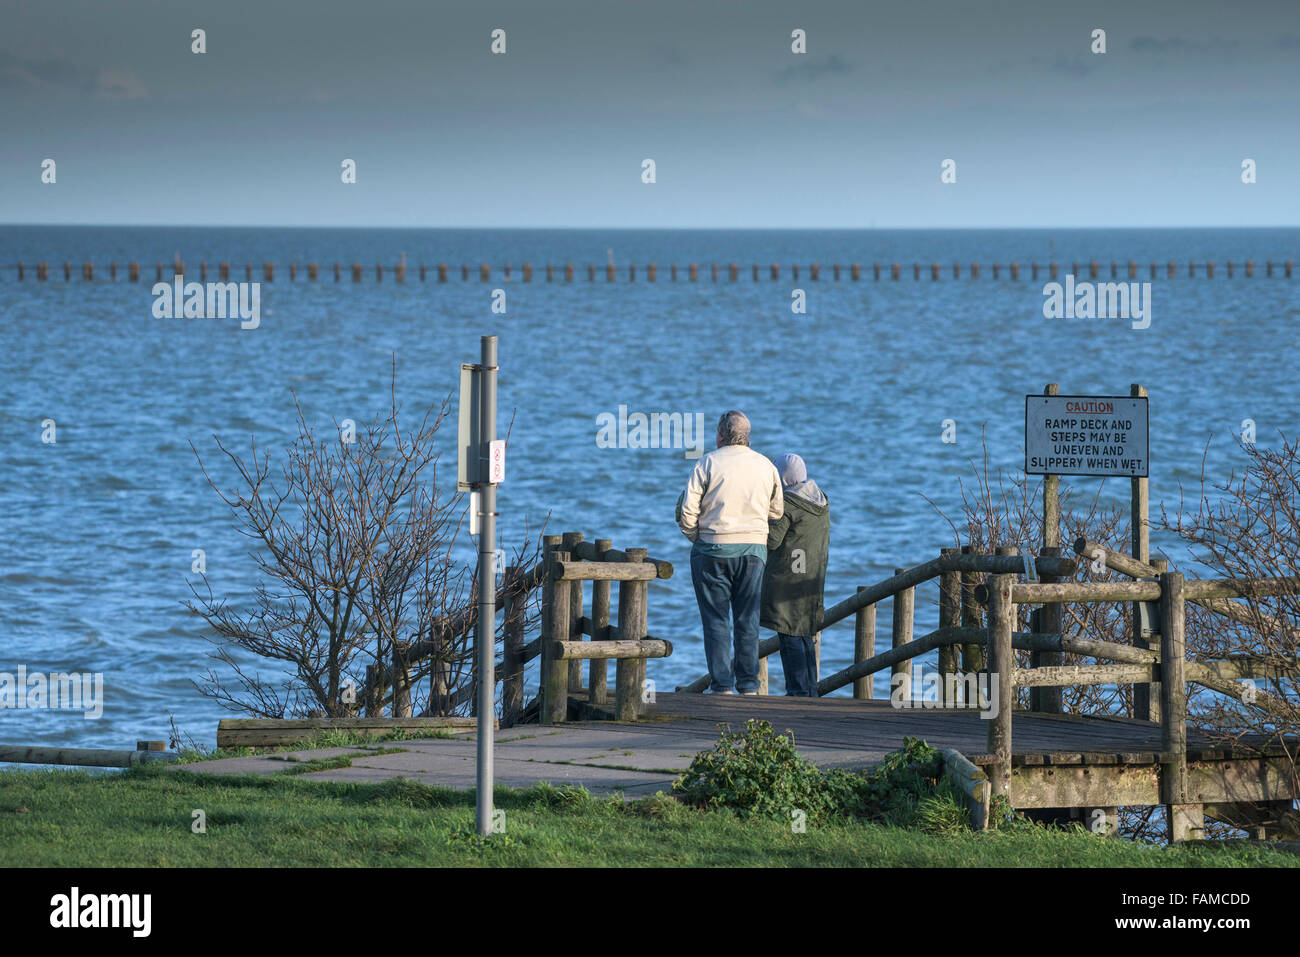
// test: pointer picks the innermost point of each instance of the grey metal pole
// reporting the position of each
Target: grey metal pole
(485, 635)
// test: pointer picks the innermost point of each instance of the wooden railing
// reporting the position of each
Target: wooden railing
(957, 570)
(569, 562)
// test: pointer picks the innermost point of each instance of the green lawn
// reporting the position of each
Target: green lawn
(142, 818)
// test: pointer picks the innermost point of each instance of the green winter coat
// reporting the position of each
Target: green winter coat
(795, 577)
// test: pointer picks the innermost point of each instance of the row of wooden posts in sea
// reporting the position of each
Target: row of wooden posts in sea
(441, 271)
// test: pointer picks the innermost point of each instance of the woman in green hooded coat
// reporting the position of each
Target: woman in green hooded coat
(795, 577)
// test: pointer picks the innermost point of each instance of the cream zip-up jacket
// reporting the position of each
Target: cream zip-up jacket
(732, 494)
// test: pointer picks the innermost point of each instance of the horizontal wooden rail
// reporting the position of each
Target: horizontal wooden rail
(604, 572)
(587, 552)
(647, 648)
(973, 782)
(1061, 675)
(81, 757)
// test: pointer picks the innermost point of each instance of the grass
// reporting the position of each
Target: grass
(142, 818)
(315, 741)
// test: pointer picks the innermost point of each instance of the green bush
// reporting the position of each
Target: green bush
(758, 773)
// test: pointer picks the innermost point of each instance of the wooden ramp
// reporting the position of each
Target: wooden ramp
(1060, 761)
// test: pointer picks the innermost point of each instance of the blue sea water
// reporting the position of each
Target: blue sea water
(97, 530)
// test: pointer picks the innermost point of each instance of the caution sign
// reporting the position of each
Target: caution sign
(1086, 435)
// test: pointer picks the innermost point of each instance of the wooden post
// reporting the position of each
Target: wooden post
(901, 632)
(934, 272)
(949, 617)
(568, 272)
(875, 270)
(550, 272)
(762, 676)
(755, 272)
(554, 677)
(855, 271)
(1139, 507)
(556, 696)
(609, 272)
(1052, 621)
(1146, 698)
(569, 542)
(776, 271)
(512, 664)
(268, 272)
(1182, 815)
(1209, 269)
(673, 270)
(484, 272)
(916, 270)
(507, 272)
(651, 271)
(1250, 268)
(1015, 271)
(814, 272)
(864, 646)
(631, 272)
(379, 272)
(1053, 269)
(629, 672)
(133, 271)
(356, 272)
(974, 270)
(1229, 268)
(337, 271)
(528, 272)
(733, 271)
(1092, 269)
(695, 272)
(401, 682)
(836, 269)
(598, 668)
(313, 272)
(1132, 269)
(972, 655)
(1002, 619)
(715, 272)
(374, 703)
(293, 272)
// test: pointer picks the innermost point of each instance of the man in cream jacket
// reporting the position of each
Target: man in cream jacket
(732, 494)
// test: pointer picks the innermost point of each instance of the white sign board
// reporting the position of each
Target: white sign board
(1086, 435)
(467, 443)
(497, 461)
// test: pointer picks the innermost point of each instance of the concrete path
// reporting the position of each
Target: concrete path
(604, 757)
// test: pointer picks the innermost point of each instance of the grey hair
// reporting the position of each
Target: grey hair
(733, 428)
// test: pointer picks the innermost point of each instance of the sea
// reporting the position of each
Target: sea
(895, 393)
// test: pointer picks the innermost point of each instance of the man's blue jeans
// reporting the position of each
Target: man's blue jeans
(735, 585)
(799, 662)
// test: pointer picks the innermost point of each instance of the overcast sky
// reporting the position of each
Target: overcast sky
(744, 133)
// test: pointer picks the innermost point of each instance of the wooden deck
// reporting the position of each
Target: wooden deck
(1060, 761)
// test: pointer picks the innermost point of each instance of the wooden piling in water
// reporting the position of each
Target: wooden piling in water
(1054, 269)
(875, 270)
(916, 270)
(755, 272)
(733, 271)
(814, 271)
(550, 272)
(1191, 270)
(893, 271)
(133, 271)
(293, 272)
(313, 272)
(506, 272)
(528, 272)
(1033, 270)
(695, 272)
(1171, 269)
(1250, 268)
(1015, 271)
(1230, 268)
(673, 271)
(934, 272)
(1132, 269)
(996, 267)
(248, 272)
(87, 272)
(1092, 269)
(651, 272)
(484, 272)
(568, 272)
(715, 272)
(42, 271)
(158, 272)
(837, 272)
(974, 270)
(422, 272)
(776, 271)
(1209, 269)
(356, 272)
(1288, 269)
(855, 271)
(268, 272)
(464, 272)
(399, 272)
(337, 272)
(864, 645)
(20, 271)
(1114, 269)
(609, 272)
